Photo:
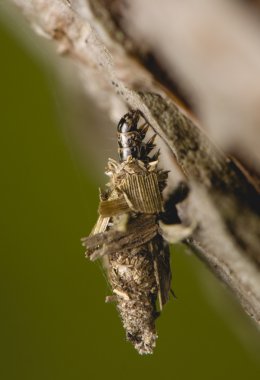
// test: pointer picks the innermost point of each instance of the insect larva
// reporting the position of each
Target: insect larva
(127, 235)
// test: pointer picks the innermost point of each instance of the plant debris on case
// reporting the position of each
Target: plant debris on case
(127, 234)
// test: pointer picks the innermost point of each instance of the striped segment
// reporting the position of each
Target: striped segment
(142, 193)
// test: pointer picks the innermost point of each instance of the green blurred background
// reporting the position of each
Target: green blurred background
(54, 323)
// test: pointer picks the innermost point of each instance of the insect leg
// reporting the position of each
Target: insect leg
(143, 130)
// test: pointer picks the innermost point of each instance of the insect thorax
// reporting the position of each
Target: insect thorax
(130, 137)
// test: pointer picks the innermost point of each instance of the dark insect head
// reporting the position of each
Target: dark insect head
(129, 122)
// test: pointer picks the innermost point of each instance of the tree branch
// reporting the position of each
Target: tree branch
(116, 71)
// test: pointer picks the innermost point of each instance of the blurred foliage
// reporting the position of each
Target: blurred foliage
(54, 322)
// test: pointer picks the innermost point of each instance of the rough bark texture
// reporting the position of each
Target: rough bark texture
(119, 68)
